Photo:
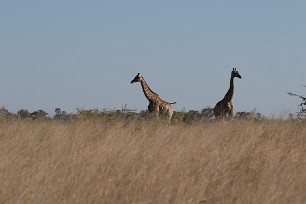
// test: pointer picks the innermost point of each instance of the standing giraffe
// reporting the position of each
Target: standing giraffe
(225, 107)
(156, 104)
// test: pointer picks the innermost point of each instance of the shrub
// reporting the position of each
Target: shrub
(302, 106)
(23, 114)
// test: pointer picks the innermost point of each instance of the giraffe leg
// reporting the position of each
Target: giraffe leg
(156, 111)
(151, 107)
(169, 113)
(170, 116)
(231, 110)
(231, 114)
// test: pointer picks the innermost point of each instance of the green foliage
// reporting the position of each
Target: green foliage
(23, 114)
(5, 114)
(61, 115)
(39, 114)
(124, 114)
(193, 115)
(252, 115)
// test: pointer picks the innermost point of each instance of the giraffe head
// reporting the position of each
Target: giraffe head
(137, 78)
(235, 73)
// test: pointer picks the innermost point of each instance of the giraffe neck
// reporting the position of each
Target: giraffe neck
(150, 95)
(230, 93)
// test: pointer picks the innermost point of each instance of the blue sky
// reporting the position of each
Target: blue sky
(74, 54)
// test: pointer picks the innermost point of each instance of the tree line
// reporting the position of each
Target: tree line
(126, 113)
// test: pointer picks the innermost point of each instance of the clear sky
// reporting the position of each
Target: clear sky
(83, 54)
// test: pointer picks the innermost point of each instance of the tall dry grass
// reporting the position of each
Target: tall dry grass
(148, 162)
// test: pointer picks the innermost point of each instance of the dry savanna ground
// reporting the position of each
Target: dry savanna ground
(97, 161)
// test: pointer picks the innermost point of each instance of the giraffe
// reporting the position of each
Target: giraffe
(225, 107)
(156, 104)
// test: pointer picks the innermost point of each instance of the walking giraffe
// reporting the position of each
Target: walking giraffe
(156, 104)
(225, 107)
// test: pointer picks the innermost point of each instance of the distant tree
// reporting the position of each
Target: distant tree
(249, 115)
(191, 116)
(127, 113)
(38, 114)
(87, 114)
(177, 115)
(208, 112)
(4, 113)
(23, 113)
(246, 115)
(302, 106)
(61, 115)
(58, 111)
(126, 109)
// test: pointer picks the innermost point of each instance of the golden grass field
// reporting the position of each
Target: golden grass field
(97, 161)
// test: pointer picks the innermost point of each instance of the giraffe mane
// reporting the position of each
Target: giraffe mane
(152, 91)
(149, 87)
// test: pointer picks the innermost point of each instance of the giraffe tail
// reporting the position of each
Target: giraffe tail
(173, 103)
